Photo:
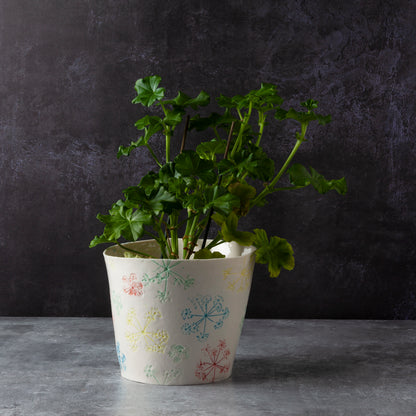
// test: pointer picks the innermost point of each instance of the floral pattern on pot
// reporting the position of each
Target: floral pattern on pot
(164, 378)
(238, 281)
(141, 333)
(132, 286)
(164, 274)
(215, 361)
(205, 312)
(178, 353)
(116, 302)
(121, 357)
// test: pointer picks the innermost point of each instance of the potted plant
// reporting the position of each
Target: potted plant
(178, 297)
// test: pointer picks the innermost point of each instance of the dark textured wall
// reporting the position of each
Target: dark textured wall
(67, 70)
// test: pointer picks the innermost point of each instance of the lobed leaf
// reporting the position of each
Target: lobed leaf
(205, 253)
(209, 150)
(214, 120)
(126, 150)
(277, 253)
(148, 91)
(182, 101)
(188, 163)
(301, 177)
(229, 231)
(301, 116)
(123, 221)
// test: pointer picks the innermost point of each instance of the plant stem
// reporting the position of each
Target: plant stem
(191, 235)
(154, 155)
(173, 221)
(227, 148)
(216, 133)
(185, 133)
(162, 240)
(269, 188)
(133, 251)
(262, 122)
(214, 242)
(168, 134)
(168, 137)
(186, 234)
(239, 140)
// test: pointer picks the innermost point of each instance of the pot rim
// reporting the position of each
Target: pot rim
(232, 246)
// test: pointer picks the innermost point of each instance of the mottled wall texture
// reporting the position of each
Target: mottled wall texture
(67, 71)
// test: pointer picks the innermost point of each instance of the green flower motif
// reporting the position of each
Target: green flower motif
(178, 353)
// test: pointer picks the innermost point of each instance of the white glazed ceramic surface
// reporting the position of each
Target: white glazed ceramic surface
(176, 321)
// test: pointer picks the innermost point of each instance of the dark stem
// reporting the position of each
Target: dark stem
(227, 148)
(185, 133)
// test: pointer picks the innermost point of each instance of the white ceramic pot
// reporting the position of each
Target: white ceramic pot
(178, 321)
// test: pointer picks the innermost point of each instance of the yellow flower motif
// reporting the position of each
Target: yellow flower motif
(237, 281)
(141, 335)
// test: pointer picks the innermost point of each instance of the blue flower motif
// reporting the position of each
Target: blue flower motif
(204, 312)
(186, 313)
(121, 357)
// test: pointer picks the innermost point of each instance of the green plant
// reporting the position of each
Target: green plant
(221, 180)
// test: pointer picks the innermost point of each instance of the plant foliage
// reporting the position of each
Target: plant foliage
(220, 180)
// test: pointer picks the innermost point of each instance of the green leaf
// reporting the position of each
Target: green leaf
(124, 221)
(301, 116)
(149, 182)
(102, 239)
(276, 253)
(251, 159)
(205, 253)
(229, 231)
(164, 201)
(238, 101)
(173, 118)
(226, 203)
(150, 125)
(182, 101)
(188, 163)
(156, 201)
(214, 120)
(136, 220)
(209, 150)
(147, 121)
(300, 177)
(218, 218)
(310, 104)
(263, 99)
(148, 91)
(126, 150)
(245, 194)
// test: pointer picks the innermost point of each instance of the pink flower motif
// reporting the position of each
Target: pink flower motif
(215, 361)
(132, 286)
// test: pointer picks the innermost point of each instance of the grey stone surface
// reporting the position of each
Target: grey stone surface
(68, 367)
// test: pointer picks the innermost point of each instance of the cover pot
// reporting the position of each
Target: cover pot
(178, 321)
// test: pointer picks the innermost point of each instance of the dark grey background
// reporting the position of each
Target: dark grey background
(66, 82)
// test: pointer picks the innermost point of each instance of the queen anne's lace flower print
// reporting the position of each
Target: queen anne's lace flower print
(215, 362)
(141, 333)
(121, 357)
(205, 312)
(178, 353)
(132, 286)
(165, 377)
(165, 274)
(238, 281)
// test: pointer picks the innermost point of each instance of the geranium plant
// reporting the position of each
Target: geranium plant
(220, 180)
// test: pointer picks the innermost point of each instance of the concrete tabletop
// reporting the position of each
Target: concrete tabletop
(68, 366)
